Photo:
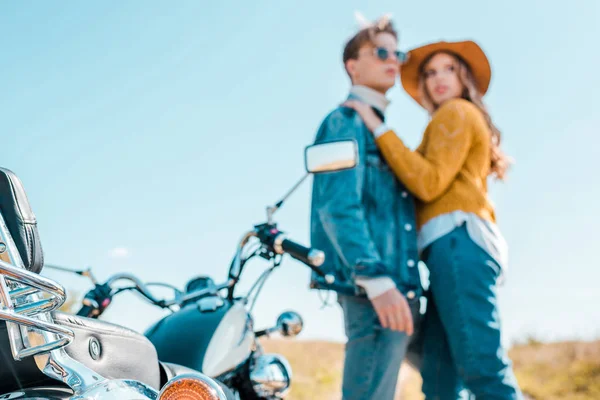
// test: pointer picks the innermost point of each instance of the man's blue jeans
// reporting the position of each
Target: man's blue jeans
(373, 354)
(462, 343)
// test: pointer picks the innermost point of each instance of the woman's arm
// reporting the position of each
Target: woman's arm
(428, 172)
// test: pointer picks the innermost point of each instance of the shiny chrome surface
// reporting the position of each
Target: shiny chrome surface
(31, 330)
(114, 390)
(139, 285)
(118, 390)
(271, 376)
(316, 257)
(28, 286)
(329, 279)
(252, 296)
(237, 261)
(24, 314)
(40, 393)
(290, 324)
(22, 292)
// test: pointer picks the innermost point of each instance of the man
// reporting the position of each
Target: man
(363, 219)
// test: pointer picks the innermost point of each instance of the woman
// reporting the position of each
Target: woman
(458, 238)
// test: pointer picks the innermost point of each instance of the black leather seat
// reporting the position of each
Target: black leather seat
(20, 220)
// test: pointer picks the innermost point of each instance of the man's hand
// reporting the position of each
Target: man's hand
(393, 311)
(371, 120)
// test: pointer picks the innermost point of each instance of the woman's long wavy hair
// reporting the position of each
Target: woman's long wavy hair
(499, 161)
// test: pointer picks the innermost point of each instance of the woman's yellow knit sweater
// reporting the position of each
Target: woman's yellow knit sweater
(449, 169)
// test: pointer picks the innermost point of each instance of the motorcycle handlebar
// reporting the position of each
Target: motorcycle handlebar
(276, 240)
(200, 293)
(138, 285)
(307, 255)
(178, 300)
(268, 236)
(313, 258)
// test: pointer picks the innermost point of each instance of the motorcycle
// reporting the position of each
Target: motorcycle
(50, 355)
(211, 328)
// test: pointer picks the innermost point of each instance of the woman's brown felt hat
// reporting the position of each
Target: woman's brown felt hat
(468, 51)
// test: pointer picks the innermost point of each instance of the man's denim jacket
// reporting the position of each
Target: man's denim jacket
(362, 218)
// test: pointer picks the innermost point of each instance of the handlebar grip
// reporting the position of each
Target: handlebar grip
(314, 258)
(276, 241)
(307, 255)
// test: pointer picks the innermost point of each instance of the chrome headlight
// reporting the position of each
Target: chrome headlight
(271, 376)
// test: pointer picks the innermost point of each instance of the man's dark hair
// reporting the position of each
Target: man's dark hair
(367, 36)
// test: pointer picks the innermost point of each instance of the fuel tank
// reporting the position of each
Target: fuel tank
(211, 335)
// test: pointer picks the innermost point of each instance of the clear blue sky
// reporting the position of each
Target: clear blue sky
(164, 128)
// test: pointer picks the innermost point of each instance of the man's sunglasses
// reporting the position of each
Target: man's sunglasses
(383, 54)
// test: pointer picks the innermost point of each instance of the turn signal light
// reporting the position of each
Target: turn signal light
(189, 387)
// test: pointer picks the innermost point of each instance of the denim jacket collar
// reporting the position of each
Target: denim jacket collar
(370, 96)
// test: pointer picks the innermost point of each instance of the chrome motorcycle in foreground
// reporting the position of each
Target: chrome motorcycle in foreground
(211, 328)
(49, 355)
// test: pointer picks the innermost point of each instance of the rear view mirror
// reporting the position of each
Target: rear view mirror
(331, 156)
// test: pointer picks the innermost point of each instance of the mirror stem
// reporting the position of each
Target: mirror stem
(271, 210)
(86, 272)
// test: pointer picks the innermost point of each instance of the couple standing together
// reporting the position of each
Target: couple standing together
(398, 206)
